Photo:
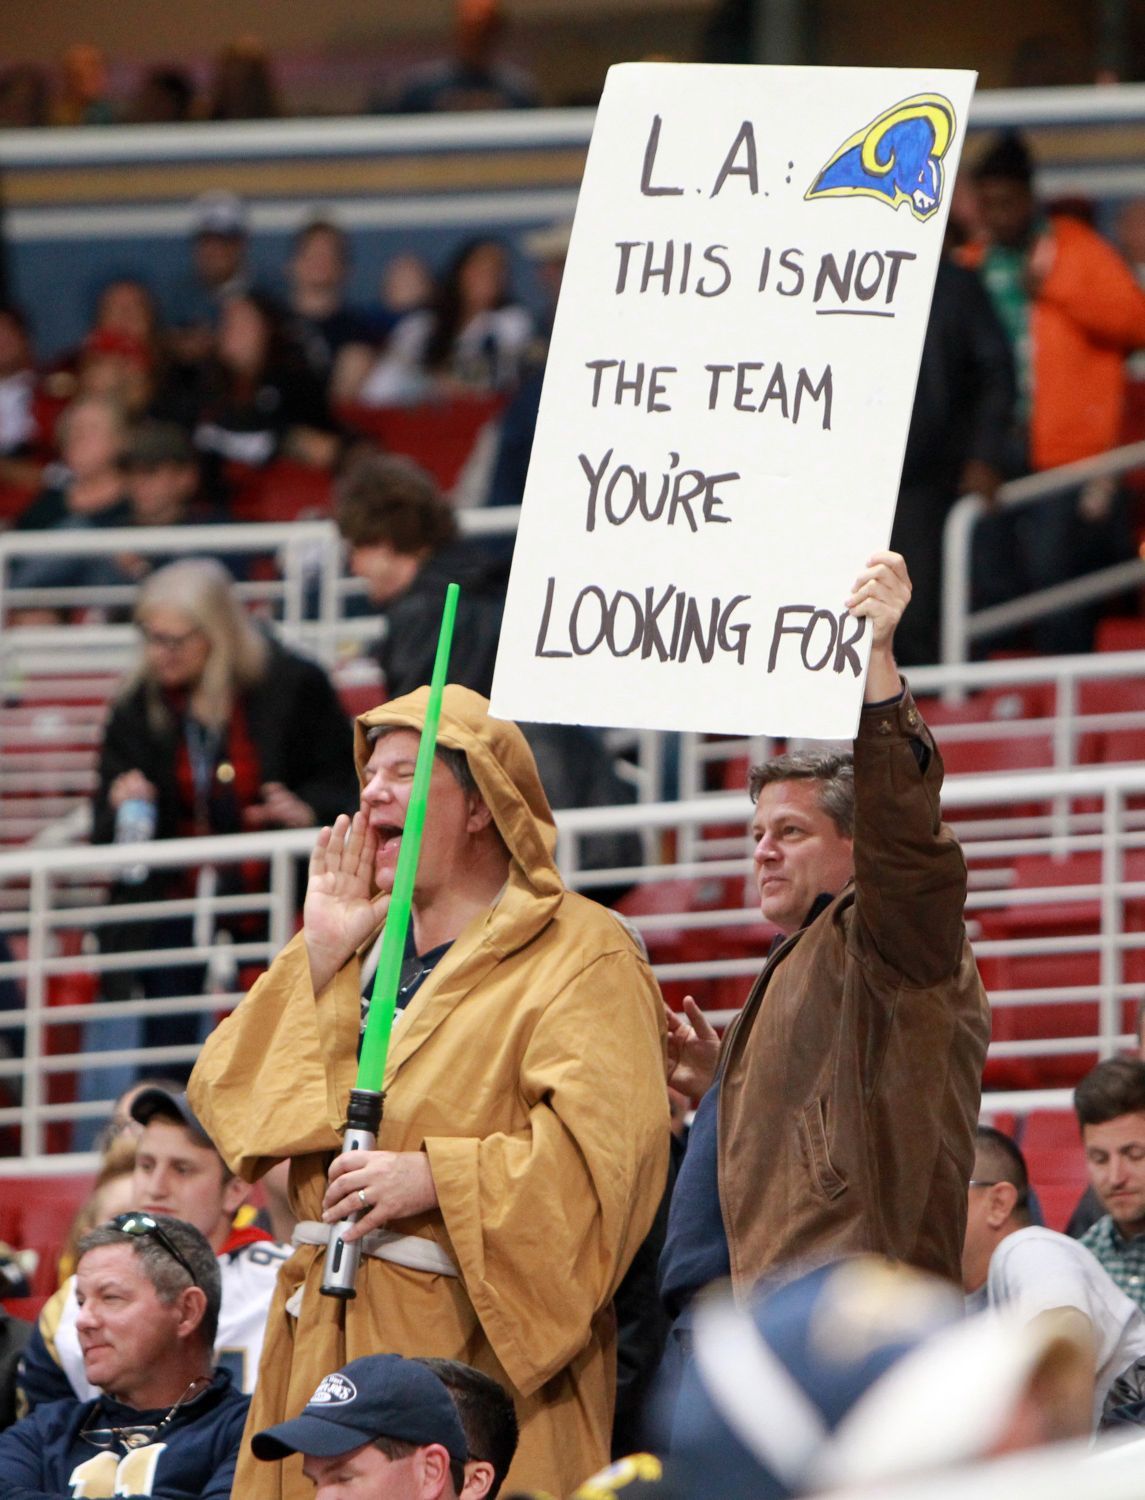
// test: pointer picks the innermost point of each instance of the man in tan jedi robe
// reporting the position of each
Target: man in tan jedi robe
(525, 1135)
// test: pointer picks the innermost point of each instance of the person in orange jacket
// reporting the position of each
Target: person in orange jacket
(1072, 311)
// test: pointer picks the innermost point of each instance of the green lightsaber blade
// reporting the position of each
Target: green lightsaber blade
(383, 996)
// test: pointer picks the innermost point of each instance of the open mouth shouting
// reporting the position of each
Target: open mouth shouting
(389, 839)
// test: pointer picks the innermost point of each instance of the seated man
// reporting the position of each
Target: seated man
(177, 1172)
(490, 1424)
(1089, 1206)
(513, 1187)
(382, 1427)
(1110, 1107)
(1048, 1276)
(164, 1420)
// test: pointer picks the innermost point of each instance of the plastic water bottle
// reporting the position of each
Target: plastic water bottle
(135, 824)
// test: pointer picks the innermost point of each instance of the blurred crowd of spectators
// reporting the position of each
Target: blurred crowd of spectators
(157, 415)
(242, 83)
(160, 414)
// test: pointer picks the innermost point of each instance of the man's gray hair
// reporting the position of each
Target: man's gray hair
(834, 771)
(161, 1268)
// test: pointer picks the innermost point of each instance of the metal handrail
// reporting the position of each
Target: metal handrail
(959, 624)
(307, 552)
(40, 877)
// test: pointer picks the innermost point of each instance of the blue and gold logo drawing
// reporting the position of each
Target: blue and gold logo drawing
(897, 158)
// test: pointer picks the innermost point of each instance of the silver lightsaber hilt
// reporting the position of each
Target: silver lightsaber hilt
(363, 1121)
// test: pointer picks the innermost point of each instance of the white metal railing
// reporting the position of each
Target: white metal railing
(51, 894)
(308, 555)
(48, 745)
(42, 667)
(960, 624)
(991, 109)
(308, 597)
(55, 679)
(1062, 726)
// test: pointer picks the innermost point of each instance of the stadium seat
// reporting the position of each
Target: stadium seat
(283, 491)
(1058, 1201)
(1034, 700)
(47, 1207)
(1111, 695)
(1121, 633)
(439, 435)
(1053, 1130)
(26, 1308)
(14, 499)
(1019, 752)
(1038, 1021)
(1121, 747)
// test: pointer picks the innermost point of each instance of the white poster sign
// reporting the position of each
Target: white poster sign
(727, 396)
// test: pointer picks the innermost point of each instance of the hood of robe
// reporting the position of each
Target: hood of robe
(501, 764)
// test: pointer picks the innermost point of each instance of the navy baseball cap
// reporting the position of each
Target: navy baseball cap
(379, 1395)
(154, 1101)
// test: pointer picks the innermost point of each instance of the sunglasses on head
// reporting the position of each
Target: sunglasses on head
(138, 1224)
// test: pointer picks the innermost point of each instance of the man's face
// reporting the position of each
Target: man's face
(125, 1330)
(93, 440)
(13, 346)
(320, 262)
(1115, 1160)
(367, 1474)
(1007, 211)
(218, 257)
(450, 817)
(799, 852)
(978, 1242)
(176, 1175)
(386, 571)
(158, 494)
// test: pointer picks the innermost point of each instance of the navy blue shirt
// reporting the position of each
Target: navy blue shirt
(696, 1245)
(190, 1455)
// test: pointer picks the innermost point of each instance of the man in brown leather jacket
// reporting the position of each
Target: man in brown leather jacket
(838, 1115)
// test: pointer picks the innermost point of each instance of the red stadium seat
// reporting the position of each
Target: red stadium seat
(1012, 1023)
(1054, 1130)
(992, 706)
(1111, 695)
(28, 1309)
(1020, 752)
(47, 1207)
(1121, 633)
(438, 435)
(1058, 1201)
(1121, 747)
(284, 491)
(14, 500)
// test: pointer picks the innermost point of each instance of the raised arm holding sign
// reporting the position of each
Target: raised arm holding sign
(839, 1112)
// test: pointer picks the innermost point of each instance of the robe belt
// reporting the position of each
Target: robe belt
(408, 1250)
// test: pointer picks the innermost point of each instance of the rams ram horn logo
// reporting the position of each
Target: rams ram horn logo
(897, 158)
